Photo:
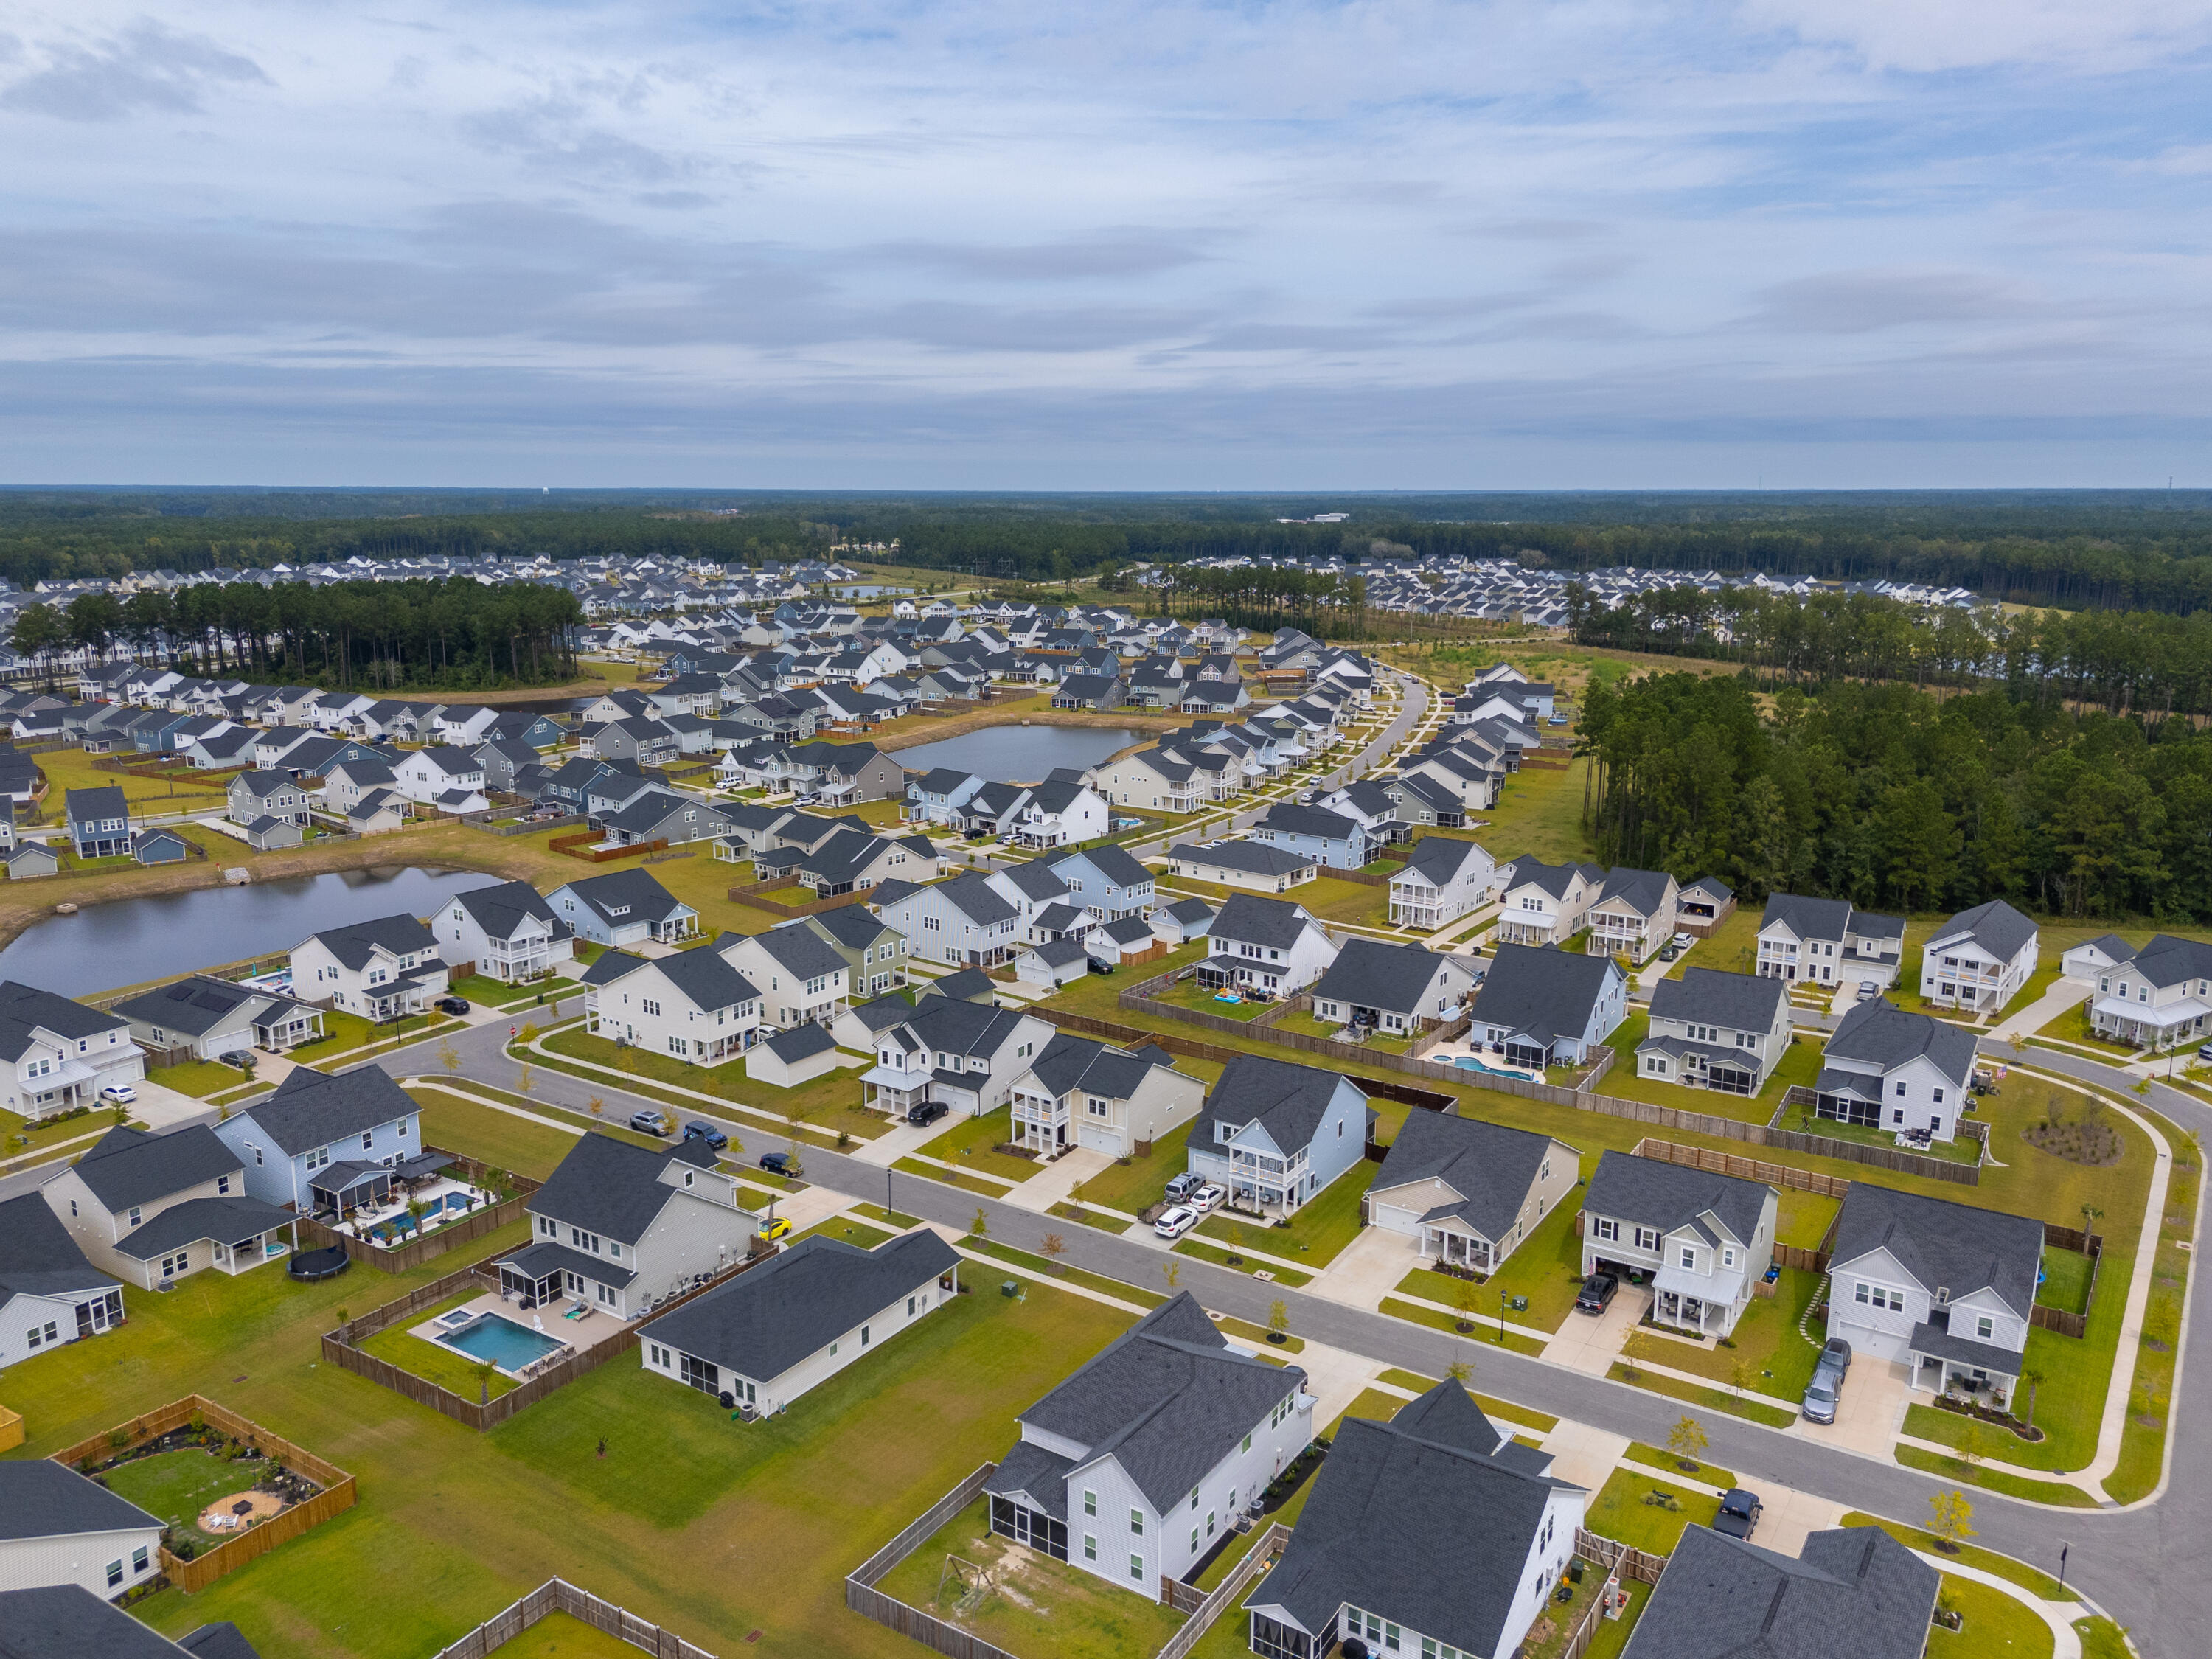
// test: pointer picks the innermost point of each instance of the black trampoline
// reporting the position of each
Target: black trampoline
(311, 1265)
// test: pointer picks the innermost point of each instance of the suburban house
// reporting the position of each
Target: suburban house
(622, 908)
(451, 780)
(2153, 997)
(1980, 959)
(49, 1293)
(256, 795)
(1633, 915)
(618, 1227)
(803, 978)
(1137, 1463)
(57, 1528)
(1848, 1592)
(1250, 865)
(938, 795)
(1887, 1069)
(692, 1004)
(968, 1055)
(151, 1209)
(162, 845)
(1700, 1240)
(1945, 1290)
(349, 781)
(1150, 777)
(1082, 1092)
(965, 921)
(875, 952)
(1265, 946)
(1542, 1007)
(381, 969)
(1711, 1029)
(1105, 880)
(654, 814)
(1275, 1133)
(61, 1054)
(509, 933)
(63, 1621)
(203, 1017)
(324, 1143)
(1468, 1192)
(794, 1322)
(1329, 838)
(1375, 987)
(1442, 879)
(99, 822)
(1827, 942)
(1703, 905)
(1057, 814)
(1435, 1533)
(1541, 903)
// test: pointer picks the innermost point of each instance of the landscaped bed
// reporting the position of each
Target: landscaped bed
(207, 1494)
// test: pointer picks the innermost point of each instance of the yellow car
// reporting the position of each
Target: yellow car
(775, 1228)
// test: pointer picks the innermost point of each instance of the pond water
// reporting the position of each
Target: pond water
(1020, 754)
(159, 937)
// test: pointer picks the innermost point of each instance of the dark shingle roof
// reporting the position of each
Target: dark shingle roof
(1110, 860)
(1491, 1166)
(1287, 1100)
(1035, 881)
(1853, 1592)
(797, 949)
(1743, 1002)
(355, 943)
(226, 1220)
(1544, 992)
(1376, 974)
(498, 911)
(1439, 858)
(648, 901)
(1995, 927)
(68, 1621)
(800, 1043)
(312, 1109)
(707, 979)
(37, 1257)
(1251, 856)
(1641, 891)
(1959, 1248)
(613, 1187)
(26, 1007)
(40, 1498)
(1808, 918)
(1253, 920)
(1880, 1033)
(128, 1166)
(1670, 1195)
(974, 897)
(766, 1321)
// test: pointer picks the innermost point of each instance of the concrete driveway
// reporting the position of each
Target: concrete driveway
(1590, 1345)
(1367, 1269)
(1871, 1410)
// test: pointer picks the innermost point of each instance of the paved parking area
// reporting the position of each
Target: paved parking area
(1367, 1269)
(1590, 1345)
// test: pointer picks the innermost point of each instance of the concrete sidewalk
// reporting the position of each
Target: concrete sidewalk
(1052, 1184)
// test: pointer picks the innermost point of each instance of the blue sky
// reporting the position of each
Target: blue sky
(1793, 243)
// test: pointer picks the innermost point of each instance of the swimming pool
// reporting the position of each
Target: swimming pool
(1469, 1063)
(508, 1345)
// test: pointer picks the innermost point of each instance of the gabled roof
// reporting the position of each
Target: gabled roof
(1670, 1196)
(41, 1498)
(1254, 857)
(1542, 992)
(1959, 1248)
(1167, 1400)
(1878, 1033)
(1490, 1166)
(128, 1166)
(1253, 919)
(25, 1008)
(967, 985)
(795, 948)
(800, 1043)
(37, 1257)
(1109, 859)
(1553, 878)
(614, 1187)
(225, 1220)
(1996, 928)
(313, 1108)
(1808, 918)
(68, 1621)
(356, 942)
(498, 910)
(1438, 857)
(2165, 960)
(648, 901)
(1285, 1099)
(971, 894)
(108, 801)
(1852, 1593)
(852, 925)
(1743, 1002)
(1286, 819)
(1640, 890)
(1038, 882)
(1377, 974)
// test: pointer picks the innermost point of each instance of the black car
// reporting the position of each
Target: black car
(1739, 1516)
(1098, 967)
(697, 1130)
(1597, 1291)
(453, 1004)
(925, 1112)
(776, 1163)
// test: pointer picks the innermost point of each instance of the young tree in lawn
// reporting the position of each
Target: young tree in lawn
(524, 1081)
(1461, 1371)
(597, 1107)
(980, 1226)
(1467, 1297)
(1278, 1320)
(1686, 1440)
(1951, 1519)
(1053, 1247)
(484, 1371)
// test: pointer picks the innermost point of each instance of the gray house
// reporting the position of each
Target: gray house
(1274, 1133)
(1389, 990)
(1541, 1006)
(1886, 1068)
(1852, 1592)
(623, 907)
(272, 793)
(1700, 1240)
(1468, 1192)
(1711, 1029)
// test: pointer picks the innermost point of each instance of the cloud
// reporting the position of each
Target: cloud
(150, 67)
(1914, 36)
(1105, 255)
(1862, 302)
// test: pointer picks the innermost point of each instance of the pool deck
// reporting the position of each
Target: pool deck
(1491, 1061)
(588, 1332)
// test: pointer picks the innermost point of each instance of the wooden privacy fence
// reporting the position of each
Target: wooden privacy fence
(1249, 1567)
(2065, 1322)
(756, 894)
(862, 1597)
(1744, 1169)
(579, 846)
(405, 1258)
(337, 1494)
(1614, 1556)
(559, 1596)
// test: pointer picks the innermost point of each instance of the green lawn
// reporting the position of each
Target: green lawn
(2073, 1026)
(487, 992)
(2143, 1440)
(1035, 1605)
(1094, 994)
(1538, 814)
(18, 1135)
(1191, 1245)
(1958, 1472)
(1322, 1226)
(557, 1636)
(1504, 1410)
(1041, 1267)
(434, 1361)
(1658, 1458)
(1733, 948)
(1691, 1394)
(200, 1078)
(1481, 1330)
(498, 1139)
(1994, 1626)
(1134, 1187)
(2066, 1280)
(177, 1485)
(1619, 1511)
(1190, 995)
(845, 1230)
(2033, 1580)
(1803, 1218)
(967, 1142)
(1545, 1269)
(1776, 1362)
(1799, 1063)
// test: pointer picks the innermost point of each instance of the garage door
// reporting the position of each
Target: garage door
(1392, 1217)
(1099, 1140)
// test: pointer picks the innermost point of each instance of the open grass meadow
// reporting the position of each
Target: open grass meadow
(643, 1492)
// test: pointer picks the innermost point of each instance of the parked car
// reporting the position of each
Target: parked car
(926, 1112)
(1207, 1196)
(697, 1130)
(1827, 1388)
(1868, 990)
(1175, 1221)
(1098, 967)
(1683, 941)
(1739, 1516)
(776, 1163)
(649, 1122)
(776, 1227)
(1597, 1291)
(453, 1004)
(121, 1094)
(1182, 1186)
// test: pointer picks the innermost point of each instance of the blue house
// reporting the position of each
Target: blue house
(1275, 1133)
(99, 822)
(937, 796)
(160, 847)
(1105, 880)
(322, 1143)
(1328, 838)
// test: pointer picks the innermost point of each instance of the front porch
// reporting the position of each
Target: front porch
(1456, 1248)
(2141, 1026)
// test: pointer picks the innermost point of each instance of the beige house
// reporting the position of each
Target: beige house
(1469, 1192)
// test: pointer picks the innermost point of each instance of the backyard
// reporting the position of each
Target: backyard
(180, 1485)
(1799, 1063)
(434, 1363)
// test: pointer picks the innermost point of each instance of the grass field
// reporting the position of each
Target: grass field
(1619, 1511)
(1993, 1625)
(1691, 1393)
(177, 1485)
(1539, 815)
(1136, 1187)
(1545, 1269)
(1774, 1359)
(557, 1636)
(1799, 1063)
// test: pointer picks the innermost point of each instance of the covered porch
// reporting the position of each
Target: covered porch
(1949, 1365)
(337, 1191)
(546, 1273)
(1446, 1238)
(1040, 1123)
(412, 993)
(288, 1026)
(2118, 1020)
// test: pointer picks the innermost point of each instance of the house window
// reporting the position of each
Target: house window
(1728, 1257)
(1689, 1258)
(1137, 1522)
(1607, 1231)
(114, 1572)
(1879, 1296)
(138, 1559)
(1647, 1238)
(1089, 1503)
(222, 1186)
(1984, 1327)
(1090, 1547)
(1137, 1568)
(134, 1214)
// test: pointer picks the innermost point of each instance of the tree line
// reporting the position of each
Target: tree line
(453, 634)
(1900, 798)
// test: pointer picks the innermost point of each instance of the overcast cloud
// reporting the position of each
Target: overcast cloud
(1579, 244)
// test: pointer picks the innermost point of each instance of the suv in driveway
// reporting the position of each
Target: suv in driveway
(1739, 1516)
(923, 1113)
(1826, 1387)
(1597, 1291)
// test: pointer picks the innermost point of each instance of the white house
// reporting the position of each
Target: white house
(1249, 864)
(381, 969)
(692, 1004)
(803, 978)
(1379, 988)
(211, 1018)
(1275, 1134)
(450, 779)
(152, 1209)
(1700, 1240)
(1826, 943)
(1980, 959)
(1887, 1069)
(49, 1293)
(59, 1528)
(1469, 1192)
(1541, 903)
(1082, 1092)
(1266, 946)
(966, 1055)
(964, 922)
(1633, 914)
(1711, 1029)
(2155, 997)
(1442, 880)
(509, 932)
(1057, 814)
(59, 1054)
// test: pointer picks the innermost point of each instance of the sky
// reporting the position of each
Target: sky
(1779, 243)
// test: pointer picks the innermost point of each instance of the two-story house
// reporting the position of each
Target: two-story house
(509, 932)
(618, 1226)
(966, 1055)
(1249, 864)
(450, 779)
(151, 1209)
(1700, 1240)
(1467, 1192)
(1979, 959)
(255, 795)
(203, 1017)
(1826, 942)
(1139, 1462)
(57, 1053)
(692, 1004)
(350, 782)
(1331, 838)
(1541, 903)
(1887, 1069)
(1105, 880)
(324, 1142)
(938, 795)
(1275, 1133)
(787, 1325)
(1058, 814)
(99, 822)
(1542, 1007)
(1435, 1533)
(1711, 1029)
(964, 922)
(1082, 1092)
(1375, 987)
(803, 978)
(1265, 947)
(875, 952)
(49, 1293)
(62, 1534)
(1442, 880)
(2155, 997)
(381, 969)
(1155, 778)
(1945, 1290)
(1633, 914)
(623, 907)
(1032, 889)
